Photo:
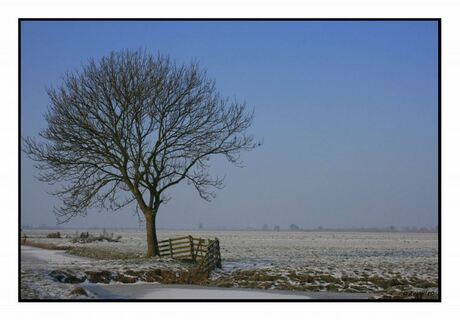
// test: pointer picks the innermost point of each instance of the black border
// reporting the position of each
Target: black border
(20, 20)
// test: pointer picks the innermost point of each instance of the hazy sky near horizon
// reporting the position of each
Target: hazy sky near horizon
(347, 112)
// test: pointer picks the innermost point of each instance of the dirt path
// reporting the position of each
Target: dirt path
(35, 255)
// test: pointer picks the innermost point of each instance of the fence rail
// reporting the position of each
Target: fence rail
(204, 252)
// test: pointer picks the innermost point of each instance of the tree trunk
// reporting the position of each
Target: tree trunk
(152, 241)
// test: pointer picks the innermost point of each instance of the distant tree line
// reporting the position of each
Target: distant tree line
(291, 227)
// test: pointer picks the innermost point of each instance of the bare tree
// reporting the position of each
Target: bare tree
(129, 127)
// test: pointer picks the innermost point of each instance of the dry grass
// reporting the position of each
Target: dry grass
(100, 253)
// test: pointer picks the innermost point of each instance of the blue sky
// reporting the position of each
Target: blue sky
(347, 112)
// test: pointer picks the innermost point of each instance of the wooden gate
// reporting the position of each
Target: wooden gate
(204, 252)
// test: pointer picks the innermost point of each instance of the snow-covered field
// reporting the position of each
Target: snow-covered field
(376, 263)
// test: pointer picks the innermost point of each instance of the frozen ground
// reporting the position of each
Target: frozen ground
(168, 292)
(54, 274)
(379, 263)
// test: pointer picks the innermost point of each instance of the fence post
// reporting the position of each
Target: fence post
(170, 248)
(190, 238)
(218, 264)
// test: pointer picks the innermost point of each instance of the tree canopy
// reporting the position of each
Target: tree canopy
(130, 126)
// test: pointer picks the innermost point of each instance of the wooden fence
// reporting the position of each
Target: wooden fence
(204, 252)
